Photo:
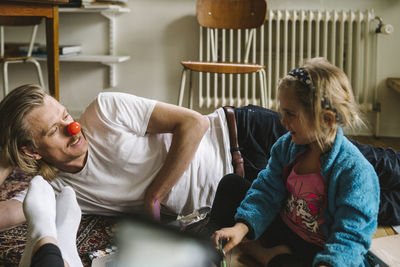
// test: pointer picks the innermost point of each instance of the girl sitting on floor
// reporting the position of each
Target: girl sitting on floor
(317, 201)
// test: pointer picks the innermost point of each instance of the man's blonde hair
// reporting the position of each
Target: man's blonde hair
(329, 89)
(15, 132)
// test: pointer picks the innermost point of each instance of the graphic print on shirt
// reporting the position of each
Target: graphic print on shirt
(304, 207)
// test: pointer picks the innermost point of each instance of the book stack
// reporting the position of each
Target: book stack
(40, 50)
(93, 3)
(113, 1)
(103, 3)
(87, 2)
(72, 3)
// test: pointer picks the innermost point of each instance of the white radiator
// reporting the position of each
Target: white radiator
(345, 38)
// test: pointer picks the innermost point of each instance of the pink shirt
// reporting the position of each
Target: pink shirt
(302, 211)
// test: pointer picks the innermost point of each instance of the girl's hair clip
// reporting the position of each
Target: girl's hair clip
(301, 75)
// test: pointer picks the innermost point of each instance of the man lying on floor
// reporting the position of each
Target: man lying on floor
(133, 151)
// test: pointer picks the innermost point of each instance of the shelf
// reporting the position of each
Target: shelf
(109, 11)
(105, 59)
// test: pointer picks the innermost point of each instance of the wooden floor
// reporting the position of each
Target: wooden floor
(237, 259)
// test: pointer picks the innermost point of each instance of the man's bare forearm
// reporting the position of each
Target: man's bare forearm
(184, 144)
(188, 128)
(180, 155)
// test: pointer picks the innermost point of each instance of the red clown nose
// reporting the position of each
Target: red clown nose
(74, 128)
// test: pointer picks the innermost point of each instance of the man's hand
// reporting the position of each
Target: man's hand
(234, 235)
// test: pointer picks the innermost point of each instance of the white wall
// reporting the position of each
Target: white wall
(157, 34)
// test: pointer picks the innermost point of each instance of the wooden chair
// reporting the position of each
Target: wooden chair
(19, 21)
(231, 17)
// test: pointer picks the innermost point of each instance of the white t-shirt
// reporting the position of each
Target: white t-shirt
(123, 160)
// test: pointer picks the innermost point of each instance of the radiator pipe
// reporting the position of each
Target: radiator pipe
(383, 28)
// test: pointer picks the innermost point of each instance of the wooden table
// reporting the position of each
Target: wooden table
(48, 10)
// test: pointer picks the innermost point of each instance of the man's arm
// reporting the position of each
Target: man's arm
(188, 128)
(15, 215)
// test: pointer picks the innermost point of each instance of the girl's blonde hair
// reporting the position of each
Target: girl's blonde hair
(16, 134)
(321, 86)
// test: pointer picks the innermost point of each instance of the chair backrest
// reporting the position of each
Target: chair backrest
(230, 31)
(19, 21)
(231, 14)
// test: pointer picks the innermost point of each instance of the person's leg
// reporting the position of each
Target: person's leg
(269, 246)
(48, 254)
(230, 192)
(67, 223)
(40, 211)
(258, 129)
(279, 245)
(264, 255)
(302, 251)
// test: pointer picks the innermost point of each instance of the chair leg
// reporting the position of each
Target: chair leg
(182, 89)
(39, 71)
(5, 78)
(190, 91)
(263, 83)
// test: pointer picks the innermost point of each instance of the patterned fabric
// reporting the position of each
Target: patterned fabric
(15, 182)
(95, 232)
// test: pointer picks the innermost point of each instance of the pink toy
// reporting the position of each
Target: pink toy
(156, 209)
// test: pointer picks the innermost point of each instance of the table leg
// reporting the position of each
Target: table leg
(52, 53)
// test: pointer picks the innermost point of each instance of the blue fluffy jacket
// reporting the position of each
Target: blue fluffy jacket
(352, 199)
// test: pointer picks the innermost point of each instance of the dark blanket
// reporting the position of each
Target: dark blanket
(387, 166)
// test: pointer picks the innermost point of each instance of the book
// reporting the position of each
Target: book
(44, 56)
(113, 1)
(69, 49)
(72, 3)
(103, 5)
(41, 49)
(384, 251)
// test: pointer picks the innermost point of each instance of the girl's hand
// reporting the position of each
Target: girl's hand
(233, 235)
